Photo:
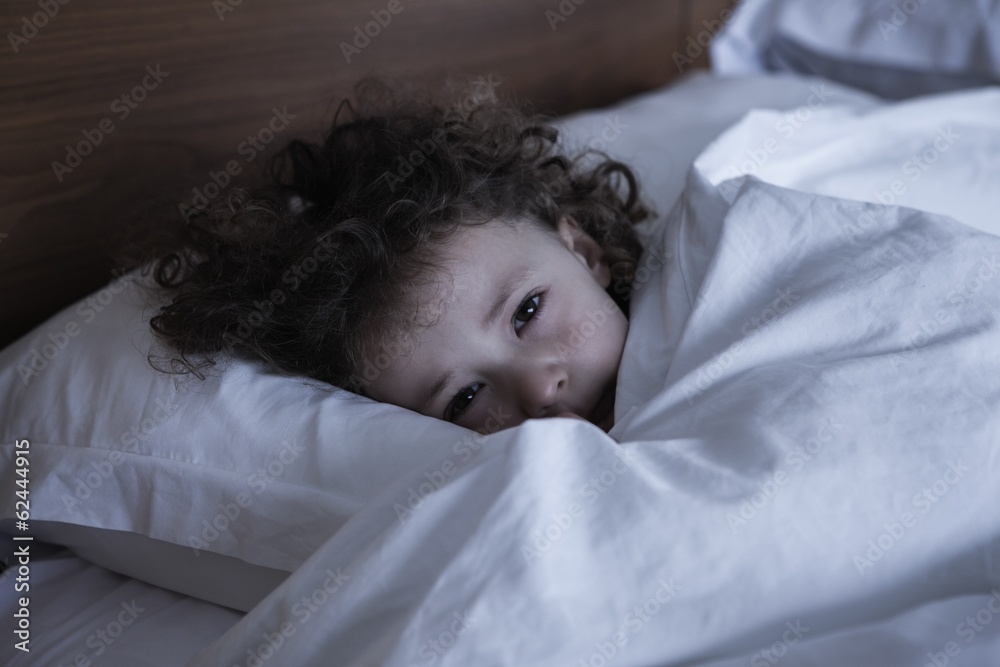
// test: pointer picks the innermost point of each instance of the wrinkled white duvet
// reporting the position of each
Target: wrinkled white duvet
(808, 474)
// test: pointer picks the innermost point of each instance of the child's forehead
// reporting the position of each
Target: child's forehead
(486, 240)
(477, 262)
(486, 255)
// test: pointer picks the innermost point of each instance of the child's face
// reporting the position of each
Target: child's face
(552, 345)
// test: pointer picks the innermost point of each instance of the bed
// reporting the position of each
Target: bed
(806, 447)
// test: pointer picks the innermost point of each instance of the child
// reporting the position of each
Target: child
(440, 257)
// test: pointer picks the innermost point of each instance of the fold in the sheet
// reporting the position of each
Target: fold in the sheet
(821, 450)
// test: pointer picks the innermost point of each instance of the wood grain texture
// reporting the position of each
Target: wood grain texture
(704, 19)
(211, 75)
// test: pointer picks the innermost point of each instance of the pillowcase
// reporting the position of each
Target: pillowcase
(659, 134)
(219, 488)
(893, 48)
(230, 482)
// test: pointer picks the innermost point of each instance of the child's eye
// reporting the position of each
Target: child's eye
(461, 402)
(527, 310)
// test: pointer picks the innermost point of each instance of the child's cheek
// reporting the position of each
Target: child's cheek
(490, 415)
(579, 329)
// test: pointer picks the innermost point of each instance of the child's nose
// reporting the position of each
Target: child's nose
(540, 388)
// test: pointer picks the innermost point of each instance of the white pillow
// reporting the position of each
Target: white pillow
(659, 134)
(893, 48)
(218, 489)
(255, 468)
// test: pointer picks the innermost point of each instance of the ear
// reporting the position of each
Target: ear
(586, 249)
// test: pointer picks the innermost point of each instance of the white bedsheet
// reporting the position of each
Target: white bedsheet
(810, 429)
(84, 616)
(939, 153)
(754, 513)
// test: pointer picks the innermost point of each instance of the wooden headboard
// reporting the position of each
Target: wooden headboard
(106, 105)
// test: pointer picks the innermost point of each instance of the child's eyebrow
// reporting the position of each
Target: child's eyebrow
(504, 293)
(436, 389)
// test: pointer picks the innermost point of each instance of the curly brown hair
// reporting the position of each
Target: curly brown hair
(311, 273)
